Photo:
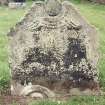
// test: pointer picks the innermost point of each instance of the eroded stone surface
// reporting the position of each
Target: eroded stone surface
(53, 46)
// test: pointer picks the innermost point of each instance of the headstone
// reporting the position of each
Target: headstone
(52, 50)
(99, 1)
(19, 0)
(17, 4)
(4, 2)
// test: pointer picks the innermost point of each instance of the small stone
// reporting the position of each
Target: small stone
(75, 91)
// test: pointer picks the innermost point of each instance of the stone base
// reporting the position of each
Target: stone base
(45, 89)
(40, 92)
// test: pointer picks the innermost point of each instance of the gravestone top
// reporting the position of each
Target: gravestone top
(53, 48)
(53, 7)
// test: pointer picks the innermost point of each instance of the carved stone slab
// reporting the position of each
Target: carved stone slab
(54, 48)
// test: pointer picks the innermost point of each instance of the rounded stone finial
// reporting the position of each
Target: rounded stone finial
(53, 7)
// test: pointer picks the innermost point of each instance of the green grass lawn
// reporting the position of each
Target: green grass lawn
(75, 101)
(87, 100)
(8, 18)
(94, 13)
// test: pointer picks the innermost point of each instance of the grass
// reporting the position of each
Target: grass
(8, 19)
(94, 13)
(74, 101)
(87, 100)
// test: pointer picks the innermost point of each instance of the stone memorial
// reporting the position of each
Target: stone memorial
(4, 2)
(52, 51)
(14, 4)
(98, 1)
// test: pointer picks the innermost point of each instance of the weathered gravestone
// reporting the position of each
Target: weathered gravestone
(99, 1)
(4, 2)
(52, 50)
(13, 4)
